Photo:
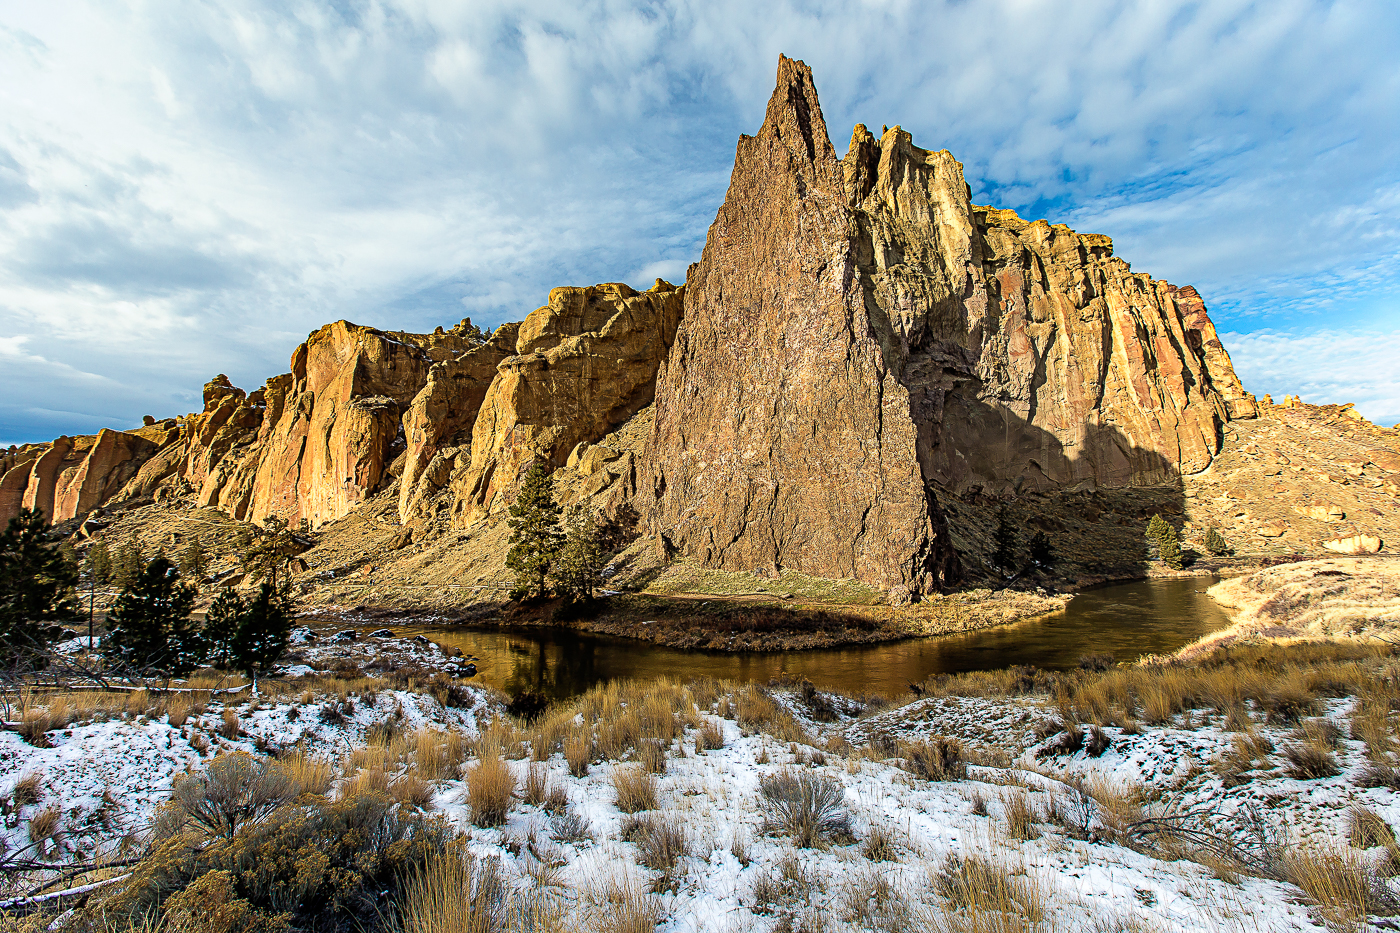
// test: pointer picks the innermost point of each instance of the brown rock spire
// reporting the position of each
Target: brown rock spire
(782, 439)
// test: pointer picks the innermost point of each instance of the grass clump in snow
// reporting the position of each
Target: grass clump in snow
(808, 806)
(982, 896)
(635, 788)
(937, 759)
(490, 789)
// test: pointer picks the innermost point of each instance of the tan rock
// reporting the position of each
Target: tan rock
(1322, 513)
(1271, 531)
(443, 414)
(584, 363)
(1355, 544)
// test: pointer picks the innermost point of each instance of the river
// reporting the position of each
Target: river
(1125, 620)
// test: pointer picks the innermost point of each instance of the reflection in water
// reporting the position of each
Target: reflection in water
(1125, 620)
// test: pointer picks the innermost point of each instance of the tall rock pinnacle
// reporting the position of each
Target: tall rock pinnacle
(859, 338)
(783, 438)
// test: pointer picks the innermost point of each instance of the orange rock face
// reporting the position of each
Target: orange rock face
(858, 335)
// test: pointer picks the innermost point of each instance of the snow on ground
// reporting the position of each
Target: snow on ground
(109, 777)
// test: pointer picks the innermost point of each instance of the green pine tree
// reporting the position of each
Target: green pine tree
(1005, 555)
(1042, 555)
(1215, 542)
(221, 626)
(534, 537)
(1161, 533)
(149, 629)
(1157, 528)
(99, 563)
(193, 563)
(575, 570)
(263, 629)
(1169, 549)
(36, 588)
(270, 554)
(127, 564)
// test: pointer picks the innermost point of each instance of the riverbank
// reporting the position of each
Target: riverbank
(1335, 599)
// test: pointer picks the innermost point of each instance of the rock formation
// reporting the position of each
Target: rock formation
(858, 346)
(858, 335)
(75, 474)
(583, 364)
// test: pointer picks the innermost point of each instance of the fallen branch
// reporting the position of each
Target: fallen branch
(43, 899)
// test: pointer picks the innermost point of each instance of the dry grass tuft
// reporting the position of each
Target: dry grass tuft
(536, 785)
(411, 790)
(1248, 752)
(621, 905)
(1308, 761)
(710, 736)
(230, 728)
(807, 806)
(490, 790)
(44, 823)
(636, 789)
(455, 893)
(438, 753)
(652, 754)
(879, 845)
(660, 840)
(1021, 815)
(986, 897)
(938, 759)
(1340, 883)
(307, 775)
(27, 791)
(578, 750)
(1367, 829)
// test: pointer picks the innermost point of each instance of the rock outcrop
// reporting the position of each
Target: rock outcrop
(583, 364)
(858, 336)
(438, 424)
(312, 444)
(72, 475)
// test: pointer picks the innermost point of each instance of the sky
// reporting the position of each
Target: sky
(189, 188)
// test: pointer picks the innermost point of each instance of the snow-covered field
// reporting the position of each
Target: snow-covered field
(738, 872)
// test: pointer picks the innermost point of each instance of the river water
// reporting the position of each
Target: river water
(1125, 620)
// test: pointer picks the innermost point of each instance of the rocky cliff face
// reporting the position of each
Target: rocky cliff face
(72, 475)
(583, 364)
(858, 336)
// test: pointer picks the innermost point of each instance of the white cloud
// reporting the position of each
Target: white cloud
(1323, 367)
(188, 188)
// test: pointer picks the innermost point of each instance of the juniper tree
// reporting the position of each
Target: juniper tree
(535, 539)
(221, 626)
(99, 562)
(270, 554)
(1156, 529)
(1005, 555)
(263, 628)
(1042, 555)
(575, 570)
(127, 564)
(1215, 542)
(193, 562)
(36, 587)
(150, 629)
(1161, 533)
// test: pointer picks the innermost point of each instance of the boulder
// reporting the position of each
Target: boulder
(1271, 531)
(1355, 544)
